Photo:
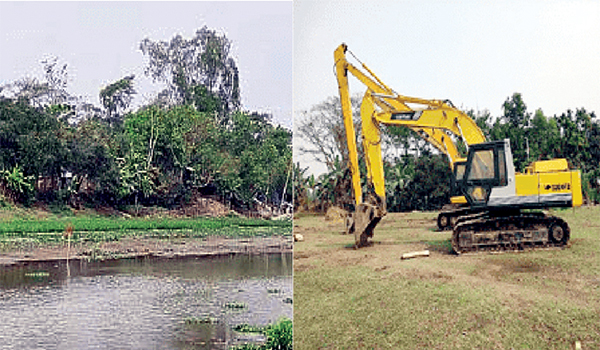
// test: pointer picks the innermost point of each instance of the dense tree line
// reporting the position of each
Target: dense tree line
(192, 138)
(418, 177)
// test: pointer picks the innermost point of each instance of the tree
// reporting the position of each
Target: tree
(32, 139)
(51, 91)
(429, 188)
(137, 166)
(543, 137)
(515, 111)
(593, 137)
(116, 98)
(206, 101)
(56, 81)
(303, 188)
(322, 127)
(398, 176)
(90, 159)
(260, 153)
(513, 125)
(173, 150)
(202, 60)
(402, 138)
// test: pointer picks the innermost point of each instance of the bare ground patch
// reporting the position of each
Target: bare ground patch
(130, 247)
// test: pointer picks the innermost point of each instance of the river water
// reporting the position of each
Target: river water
(143, 303)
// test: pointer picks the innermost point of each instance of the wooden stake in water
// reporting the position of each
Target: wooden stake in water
(68, 233)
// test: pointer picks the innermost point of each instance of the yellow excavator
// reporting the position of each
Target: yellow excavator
(493, 195)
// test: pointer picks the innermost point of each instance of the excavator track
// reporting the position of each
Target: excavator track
(448, 219)
(510, 233)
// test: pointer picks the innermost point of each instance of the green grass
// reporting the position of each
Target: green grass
(371, 299)
(33, 230)
(279, 336)
(91, 224)
(400, 313)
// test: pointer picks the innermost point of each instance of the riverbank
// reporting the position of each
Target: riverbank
(132, 247)
(39, 236)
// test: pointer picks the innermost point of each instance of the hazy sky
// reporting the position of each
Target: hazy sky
(475, 53)
(100, 43)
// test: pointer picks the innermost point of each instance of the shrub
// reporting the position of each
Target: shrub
(280, 336)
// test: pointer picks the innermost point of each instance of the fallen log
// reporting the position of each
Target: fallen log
(415, 254)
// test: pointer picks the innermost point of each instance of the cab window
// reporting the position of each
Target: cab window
(482, 167)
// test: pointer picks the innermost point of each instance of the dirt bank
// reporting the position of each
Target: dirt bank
(137, 247)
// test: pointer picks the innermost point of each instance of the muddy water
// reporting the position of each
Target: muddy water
(142, 303)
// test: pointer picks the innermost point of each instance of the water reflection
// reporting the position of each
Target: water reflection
(142, 303)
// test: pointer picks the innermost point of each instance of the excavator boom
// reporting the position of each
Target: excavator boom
(435, 121)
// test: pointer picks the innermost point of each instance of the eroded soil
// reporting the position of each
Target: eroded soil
(136, 247)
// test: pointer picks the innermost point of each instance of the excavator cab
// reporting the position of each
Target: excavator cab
(485, 172)
(490, 181)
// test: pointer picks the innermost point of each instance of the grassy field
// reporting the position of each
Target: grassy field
(371, 299)
(22, 228)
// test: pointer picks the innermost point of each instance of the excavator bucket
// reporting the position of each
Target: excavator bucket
(362, 222)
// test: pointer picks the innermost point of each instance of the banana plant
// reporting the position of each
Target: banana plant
(20, 185)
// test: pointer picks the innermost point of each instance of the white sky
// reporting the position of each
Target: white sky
(475, 53)
(100, 43)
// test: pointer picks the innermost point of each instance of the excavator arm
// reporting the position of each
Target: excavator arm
(434, 120)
